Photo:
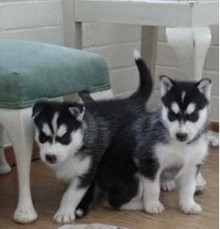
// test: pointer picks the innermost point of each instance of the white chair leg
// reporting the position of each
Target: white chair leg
(190, 46)
(18, 124)
(102, 95)
(149, 36)
(4, 166)
(149, 46)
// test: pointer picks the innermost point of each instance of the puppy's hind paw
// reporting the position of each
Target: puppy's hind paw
(168, 186)
(191, 208)
(64, 216)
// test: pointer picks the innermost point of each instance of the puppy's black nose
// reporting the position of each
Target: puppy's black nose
(181, 137)
(51, 158)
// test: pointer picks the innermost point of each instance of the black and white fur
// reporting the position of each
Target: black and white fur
(73, 137)
(159, 148)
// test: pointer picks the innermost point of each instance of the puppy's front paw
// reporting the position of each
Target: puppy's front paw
(168, 185)
(154, 207)
(64, 215)
(191, 208)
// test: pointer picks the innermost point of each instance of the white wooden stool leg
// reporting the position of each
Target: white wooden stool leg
(19, 126)
(190, 46)
(4, 166)
(102, 95)
(149, 46)
(149, 36)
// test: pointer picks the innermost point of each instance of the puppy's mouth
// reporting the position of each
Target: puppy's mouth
(52, 163)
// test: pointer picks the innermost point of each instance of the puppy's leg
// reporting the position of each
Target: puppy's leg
(151, 194)
(187, 189)
(87, 201)
(167, 179)
(136, 204)
(200, 183)
(69, 202)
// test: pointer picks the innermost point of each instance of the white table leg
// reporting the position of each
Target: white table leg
(19, 126)
(149, 52)
(149, 46)
(190, 46)
(102, 95)
(72, 31)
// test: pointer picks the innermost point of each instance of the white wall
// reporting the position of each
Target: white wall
(38, 20)
(116, 43)
(41, 20)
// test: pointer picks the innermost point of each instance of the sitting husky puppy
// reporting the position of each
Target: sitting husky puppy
(73, 137)
(159, 147)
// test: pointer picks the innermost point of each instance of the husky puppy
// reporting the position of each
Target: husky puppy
(176, 137)
(159, 148)
(73, 137)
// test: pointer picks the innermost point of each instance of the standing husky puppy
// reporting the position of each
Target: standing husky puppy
(73, 137)
(169, 143)
(176, 137)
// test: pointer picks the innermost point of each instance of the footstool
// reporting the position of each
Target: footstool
(29, 72)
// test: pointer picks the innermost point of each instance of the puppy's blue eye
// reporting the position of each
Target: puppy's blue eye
(193, 117)
(172, 116)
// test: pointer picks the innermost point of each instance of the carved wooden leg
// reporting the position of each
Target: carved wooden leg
(190, 46)
(4, 166)
(18, 124)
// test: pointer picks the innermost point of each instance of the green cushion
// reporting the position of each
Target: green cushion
(31, 71)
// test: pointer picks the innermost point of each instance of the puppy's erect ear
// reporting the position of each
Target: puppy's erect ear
(204, 87)
(38, 108)
(77, 110)
(166, 83)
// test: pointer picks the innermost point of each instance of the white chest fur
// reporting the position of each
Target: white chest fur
(72, 167)
(176, 153)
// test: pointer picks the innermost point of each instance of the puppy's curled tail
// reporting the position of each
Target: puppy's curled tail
(144, 91)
